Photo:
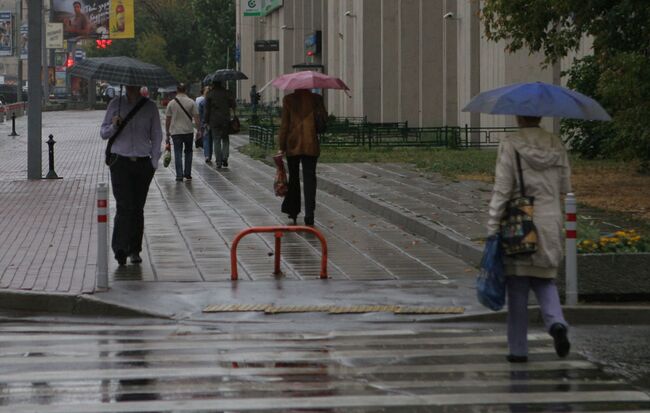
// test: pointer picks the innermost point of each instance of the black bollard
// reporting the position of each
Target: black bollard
(51, 174)
(13, 125)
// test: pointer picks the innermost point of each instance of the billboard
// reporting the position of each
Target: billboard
(82, 18)
(6, 31)
(122, 22)
(24, 40)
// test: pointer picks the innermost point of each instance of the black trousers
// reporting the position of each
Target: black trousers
(130, 180)
(291, 203)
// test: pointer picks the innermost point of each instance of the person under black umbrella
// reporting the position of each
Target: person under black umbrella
(132, 127)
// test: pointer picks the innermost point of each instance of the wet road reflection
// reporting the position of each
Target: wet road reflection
(176, 368)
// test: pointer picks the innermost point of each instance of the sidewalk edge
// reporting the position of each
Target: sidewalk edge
(72, 304)
(580, 314)
(450, 242)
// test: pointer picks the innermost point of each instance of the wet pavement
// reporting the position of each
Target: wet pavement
(159, 367)
(51, 246)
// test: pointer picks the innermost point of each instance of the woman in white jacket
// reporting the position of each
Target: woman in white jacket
(546, 175)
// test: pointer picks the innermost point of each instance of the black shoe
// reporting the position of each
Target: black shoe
(135, 258)
(208, 160)
(225, 164)
(309, 221)
(120, 256)
(179, 179)
(516, 359)
(218, 166)
(560, 340)
(188, 177)
(293, 220)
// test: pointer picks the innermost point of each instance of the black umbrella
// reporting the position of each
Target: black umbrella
(222, 75)
(123, 71)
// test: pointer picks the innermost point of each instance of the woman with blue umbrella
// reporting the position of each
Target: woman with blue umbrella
(532, 167)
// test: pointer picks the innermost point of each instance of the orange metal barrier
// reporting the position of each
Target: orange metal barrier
(278, 231)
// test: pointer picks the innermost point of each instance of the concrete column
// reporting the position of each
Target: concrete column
(389, 58)
(370, 73)
(450, 65)
(409, 35)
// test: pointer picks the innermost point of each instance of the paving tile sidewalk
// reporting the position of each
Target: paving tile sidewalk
(50, 239)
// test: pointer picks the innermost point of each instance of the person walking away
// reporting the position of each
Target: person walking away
(220, 106)
(135, 153)
(205, 131)
(546, 174)
(299, 142)
(255, 100)
(180, 114)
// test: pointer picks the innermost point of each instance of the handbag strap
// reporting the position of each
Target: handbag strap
(186, 112)
(126, 120)
(521, 175)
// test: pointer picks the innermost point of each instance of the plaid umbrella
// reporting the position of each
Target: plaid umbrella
(223, 75)
(122, 70)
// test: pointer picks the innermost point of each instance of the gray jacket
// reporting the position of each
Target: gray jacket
(547, 175)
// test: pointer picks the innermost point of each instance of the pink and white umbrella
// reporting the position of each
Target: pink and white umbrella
(308, 80)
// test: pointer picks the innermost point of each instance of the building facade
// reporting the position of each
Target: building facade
(418, 61)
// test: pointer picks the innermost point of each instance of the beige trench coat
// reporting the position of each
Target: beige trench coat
(547, 175)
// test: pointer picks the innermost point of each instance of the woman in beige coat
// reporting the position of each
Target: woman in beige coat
(299, 141)
(546, 175)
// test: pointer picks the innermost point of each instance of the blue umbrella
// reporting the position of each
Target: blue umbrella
(537, 99)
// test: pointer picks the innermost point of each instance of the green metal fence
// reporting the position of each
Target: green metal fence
(358, 132)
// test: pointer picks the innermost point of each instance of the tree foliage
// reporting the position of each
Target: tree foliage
(618, 74)
(189, 38)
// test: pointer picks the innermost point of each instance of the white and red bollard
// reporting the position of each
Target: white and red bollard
(571, 261)
(102, 236)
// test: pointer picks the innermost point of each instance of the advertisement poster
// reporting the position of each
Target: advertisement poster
(122, 22)
(6, 29)
(24, 38)
(82, 18)
(54, 36)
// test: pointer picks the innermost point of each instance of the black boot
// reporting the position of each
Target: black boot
(560, 340)
(516, 359)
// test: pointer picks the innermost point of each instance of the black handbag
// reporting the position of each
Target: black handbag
(518, 232)
(320, 121)
(109, 158)
(234, 126)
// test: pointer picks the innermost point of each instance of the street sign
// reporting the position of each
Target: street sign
(267, 45)
(79, 55)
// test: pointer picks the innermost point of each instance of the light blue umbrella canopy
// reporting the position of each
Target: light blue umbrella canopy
(537, 99)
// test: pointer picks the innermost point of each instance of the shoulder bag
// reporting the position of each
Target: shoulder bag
(518, 232)
(108, 158)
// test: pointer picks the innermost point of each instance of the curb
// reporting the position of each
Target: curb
(439, 235)
(580, 314)
(69, 304)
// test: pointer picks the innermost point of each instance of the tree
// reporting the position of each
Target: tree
(617, 75)
(189, 38)
(216, 20)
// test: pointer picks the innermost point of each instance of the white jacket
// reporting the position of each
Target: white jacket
(547, 175)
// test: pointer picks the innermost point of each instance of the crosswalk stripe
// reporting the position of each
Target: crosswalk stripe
(261, 356)
(158, 373)
(334, 402)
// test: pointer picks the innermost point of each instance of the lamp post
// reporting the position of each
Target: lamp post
(35, 117)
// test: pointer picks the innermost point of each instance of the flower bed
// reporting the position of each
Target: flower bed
(613, 267)
(618, 242)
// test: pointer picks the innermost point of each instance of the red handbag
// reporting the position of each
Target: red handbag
(280, 186)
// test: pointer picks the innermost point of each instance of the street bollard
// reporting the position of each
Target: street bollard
(13, 125)
(51, 174)
(571, 269)
(102, 236)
